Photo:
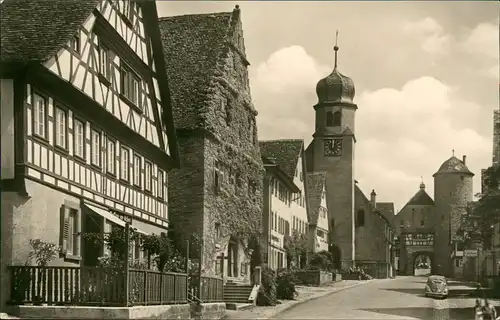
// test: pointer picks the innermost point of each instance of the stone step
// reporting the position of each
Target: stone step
(238, 302)
(238, 286)
(238, 306)
(233, 289)
(237, 294)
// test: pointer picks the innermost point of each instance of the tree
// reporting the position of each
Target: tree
(485, 213)
(295, 246)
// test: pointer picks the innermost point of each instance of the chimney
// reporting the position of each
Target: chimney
(373, 199)
(464, 157)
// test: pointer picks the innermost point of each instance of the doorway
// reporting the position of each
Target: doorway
(92, 223)
(422, 265)
(232, 258)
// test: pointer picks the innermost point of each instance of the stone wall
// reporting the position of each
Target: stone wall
(184, 311)
(314, 277)
(185, 189)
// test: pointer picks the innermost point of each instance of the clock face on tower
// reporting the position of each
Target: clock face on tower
(333, 147)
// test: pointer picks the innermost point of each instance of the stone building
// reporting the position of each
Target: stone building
(87, 130)
(374, 236)
(427, 228)
(332, 151)
(286, 206)
(217, 193)
(417, 218)
(317, 212)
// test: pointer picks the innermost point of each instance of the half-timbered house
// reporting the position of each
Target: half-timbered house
(87, 131)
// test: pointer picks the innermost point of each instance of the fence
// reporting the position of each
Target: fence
(211, 289)
(95, 286)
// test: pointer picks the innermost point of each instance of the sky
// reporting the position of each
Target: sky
(426, 76)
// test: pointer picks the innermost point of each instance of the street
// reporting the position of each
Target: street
(400, 298)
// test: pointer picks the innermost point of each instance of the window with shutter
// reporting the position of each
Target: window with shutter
(70, 230)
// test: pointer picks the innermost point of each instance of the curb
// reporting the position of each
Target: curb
(286, 308)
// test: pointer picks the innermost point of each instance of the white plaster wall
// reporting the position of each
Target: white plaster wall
(7, 128)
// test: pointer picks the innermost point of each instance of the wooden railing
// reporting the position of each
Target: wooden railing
(149, 287)
(212, 289)
(95, 286)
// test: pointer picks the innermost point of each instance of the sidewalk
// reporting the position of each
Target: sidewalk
(305, 294)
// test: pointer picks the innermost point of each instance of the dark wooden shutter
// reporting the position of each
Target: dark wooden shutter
(64, 228)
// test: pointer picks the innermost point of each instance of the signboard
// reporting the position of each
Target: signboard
(470, 253)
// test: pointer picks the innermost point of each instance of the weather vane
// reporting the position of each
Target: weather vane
(336, 47)
(453, 152)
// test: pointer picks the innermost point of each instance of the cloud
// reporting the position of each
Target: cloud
(283, 90)
(402, 133)
(426, 26)
(430, 34)
(493, 72)
(483, 41)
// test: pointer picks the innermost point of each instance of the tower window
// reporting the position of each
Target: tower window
(329, 119)
(337, 118)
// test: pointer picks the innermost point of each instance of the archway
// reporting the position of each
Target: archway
(337, 256)
(422, 264)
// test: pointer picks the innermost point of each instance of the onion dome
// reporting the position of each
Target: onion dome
(336, 87)
(454, 165)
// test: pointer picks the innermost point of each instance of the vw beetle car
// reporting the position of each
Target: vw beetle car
(436, 287)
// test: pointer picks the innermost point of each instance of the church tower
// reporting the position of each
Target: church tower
(332, 151)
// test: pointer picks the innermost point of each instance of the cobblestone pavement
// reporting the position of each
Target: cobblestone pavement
(305, 293)
(400, 298)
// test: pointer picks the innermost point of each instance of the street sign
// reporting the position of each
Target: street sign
(470, 253)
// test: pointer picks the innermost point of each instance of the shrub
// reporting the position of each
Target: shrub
(267, 292)
(285, 285)
(321, 260)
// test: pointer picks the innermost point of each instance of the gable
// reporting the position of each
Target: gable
(315, 194)
(421, 198)
(113, 63)
(285, 153)
(192, 46)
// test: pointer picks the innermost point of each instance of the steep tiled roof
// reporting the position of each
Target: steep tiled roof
(285, 153)
(387, 209)
(315, 185)
(193, 45)
(453, 165)
(421, 198)
(33, 30)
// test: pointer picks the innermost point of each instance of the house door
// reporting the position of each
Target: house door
(232, 260)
